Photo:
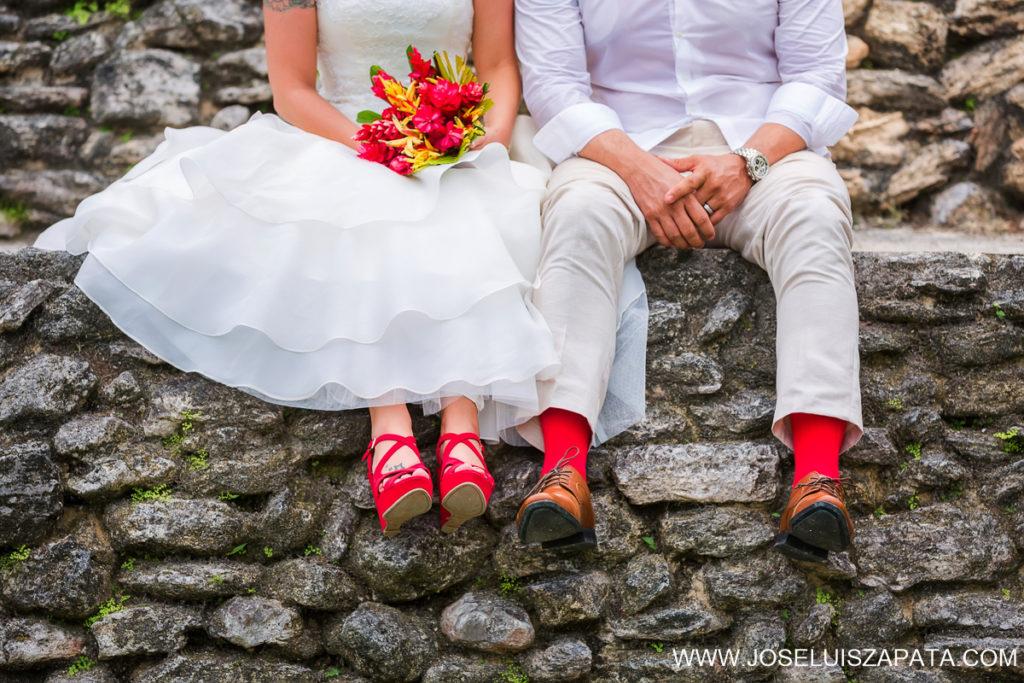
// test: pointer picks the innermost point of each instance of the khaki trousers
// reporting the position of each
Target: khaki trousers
(795, 224)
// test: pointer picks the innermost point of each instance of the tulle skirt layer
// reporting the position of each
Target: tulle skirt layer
(275, 261)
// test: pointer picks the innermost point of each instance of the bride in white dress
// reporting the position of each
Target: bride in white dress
(272, 259)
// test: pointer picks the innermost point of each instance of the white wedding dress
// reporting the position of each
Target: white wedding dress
(276, 261)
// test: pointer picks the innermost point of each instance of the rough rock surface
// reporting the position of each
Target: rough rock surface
(382, 642)
(248, 621)
(144, 630)
(487, 623)
(262, 560)
(169, 92)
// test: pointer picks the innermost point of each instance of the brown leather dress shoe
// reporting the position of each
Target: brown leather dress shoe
(815, 520)
(557, 512)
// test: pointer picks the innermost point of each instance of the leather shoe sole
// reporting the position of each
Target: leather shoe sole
(821, 524)
(813, 532)
(792, 546)
(554, 527)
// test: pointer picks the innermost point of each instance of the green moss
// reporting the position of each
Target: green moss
(198, 460)
(508, 584)
(112, 605)
(160, 492)
(119, 8)
(83, 663)
(15, 212)
(1013, 440)
(82, 10)
(512, 674)
(11, 559)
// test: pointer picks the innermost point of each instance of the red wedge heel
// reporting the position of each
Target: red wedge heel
(398, 499)
(464, 492)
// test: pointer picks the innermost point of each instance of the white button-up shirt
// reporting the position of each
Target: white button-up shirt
(649, 67)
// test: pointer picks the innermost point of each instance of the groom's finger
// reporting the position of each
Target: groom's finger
(700, 217)
(682, 165)
(683, 232)
(685, 186)
(659, 232)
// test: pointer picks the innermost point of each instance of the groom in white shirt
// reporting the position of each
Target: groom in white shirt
(691, 123)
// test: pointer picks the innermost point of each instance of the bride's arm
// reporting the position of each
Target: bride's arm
(494, 57)
(291, 35)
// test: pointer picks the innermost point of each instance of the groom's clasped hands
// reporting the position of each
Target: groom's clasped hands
(680, 211)
(718, 182)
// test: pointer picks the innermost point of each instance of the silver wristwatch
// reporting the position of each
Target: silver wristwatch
(757, 163)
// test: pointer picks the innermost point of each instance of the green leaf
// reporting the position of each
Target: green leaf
(440, 161)
(367, 116)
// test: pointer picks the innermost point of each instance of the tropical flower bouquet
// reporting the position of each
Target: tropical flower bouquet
(431, 121)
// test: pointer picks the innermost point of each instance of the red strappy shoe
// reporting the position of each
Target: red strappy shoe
(465, 492)
(401, 498)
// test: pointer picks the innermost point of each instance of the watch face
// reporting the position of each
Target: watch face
(759, 166)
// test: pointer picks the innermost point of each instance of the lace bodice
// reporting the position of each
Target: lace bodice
(356, 34)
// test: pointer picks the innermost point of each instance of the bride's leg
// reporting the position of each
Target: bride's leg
(393, 420)
(465, 488)
(458, 417)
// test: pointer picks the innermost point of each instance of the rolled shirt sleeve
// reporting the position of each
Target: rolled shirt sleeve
(810, 42)
(556, 82)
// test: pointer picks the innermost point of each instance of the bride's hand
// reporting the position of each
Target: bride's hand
(489, 137)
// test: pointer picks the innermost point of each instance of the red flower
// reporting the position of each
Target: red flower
(377, 152)
(472, 94)
(381, 129)
(378, 88)
(421, 68)
(446, 96)
(401, 165)
(428, 119)
(452, 138)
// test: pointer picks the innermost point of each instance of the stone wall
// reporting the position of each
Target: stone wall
(85, 95)
(222, 538)
(939, 89)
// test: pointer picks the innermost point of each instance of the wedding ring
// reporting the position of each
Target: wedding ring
(708, 208)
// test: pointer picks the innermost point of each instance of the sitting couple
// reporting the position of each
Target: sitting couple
(273, 259)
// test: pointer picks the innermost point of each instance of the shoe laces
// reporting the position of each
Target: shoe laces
(558, 474)
(833, 485)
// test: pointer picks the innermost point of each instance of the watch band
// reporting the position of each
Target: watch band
(757, 163)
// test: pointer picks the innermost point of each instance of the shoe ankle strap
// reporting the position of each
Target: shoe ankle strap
(453, 441)
(400, 441)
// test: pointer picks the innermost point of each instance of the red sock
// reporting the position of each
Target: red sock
(816, 442)
(563, 430)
